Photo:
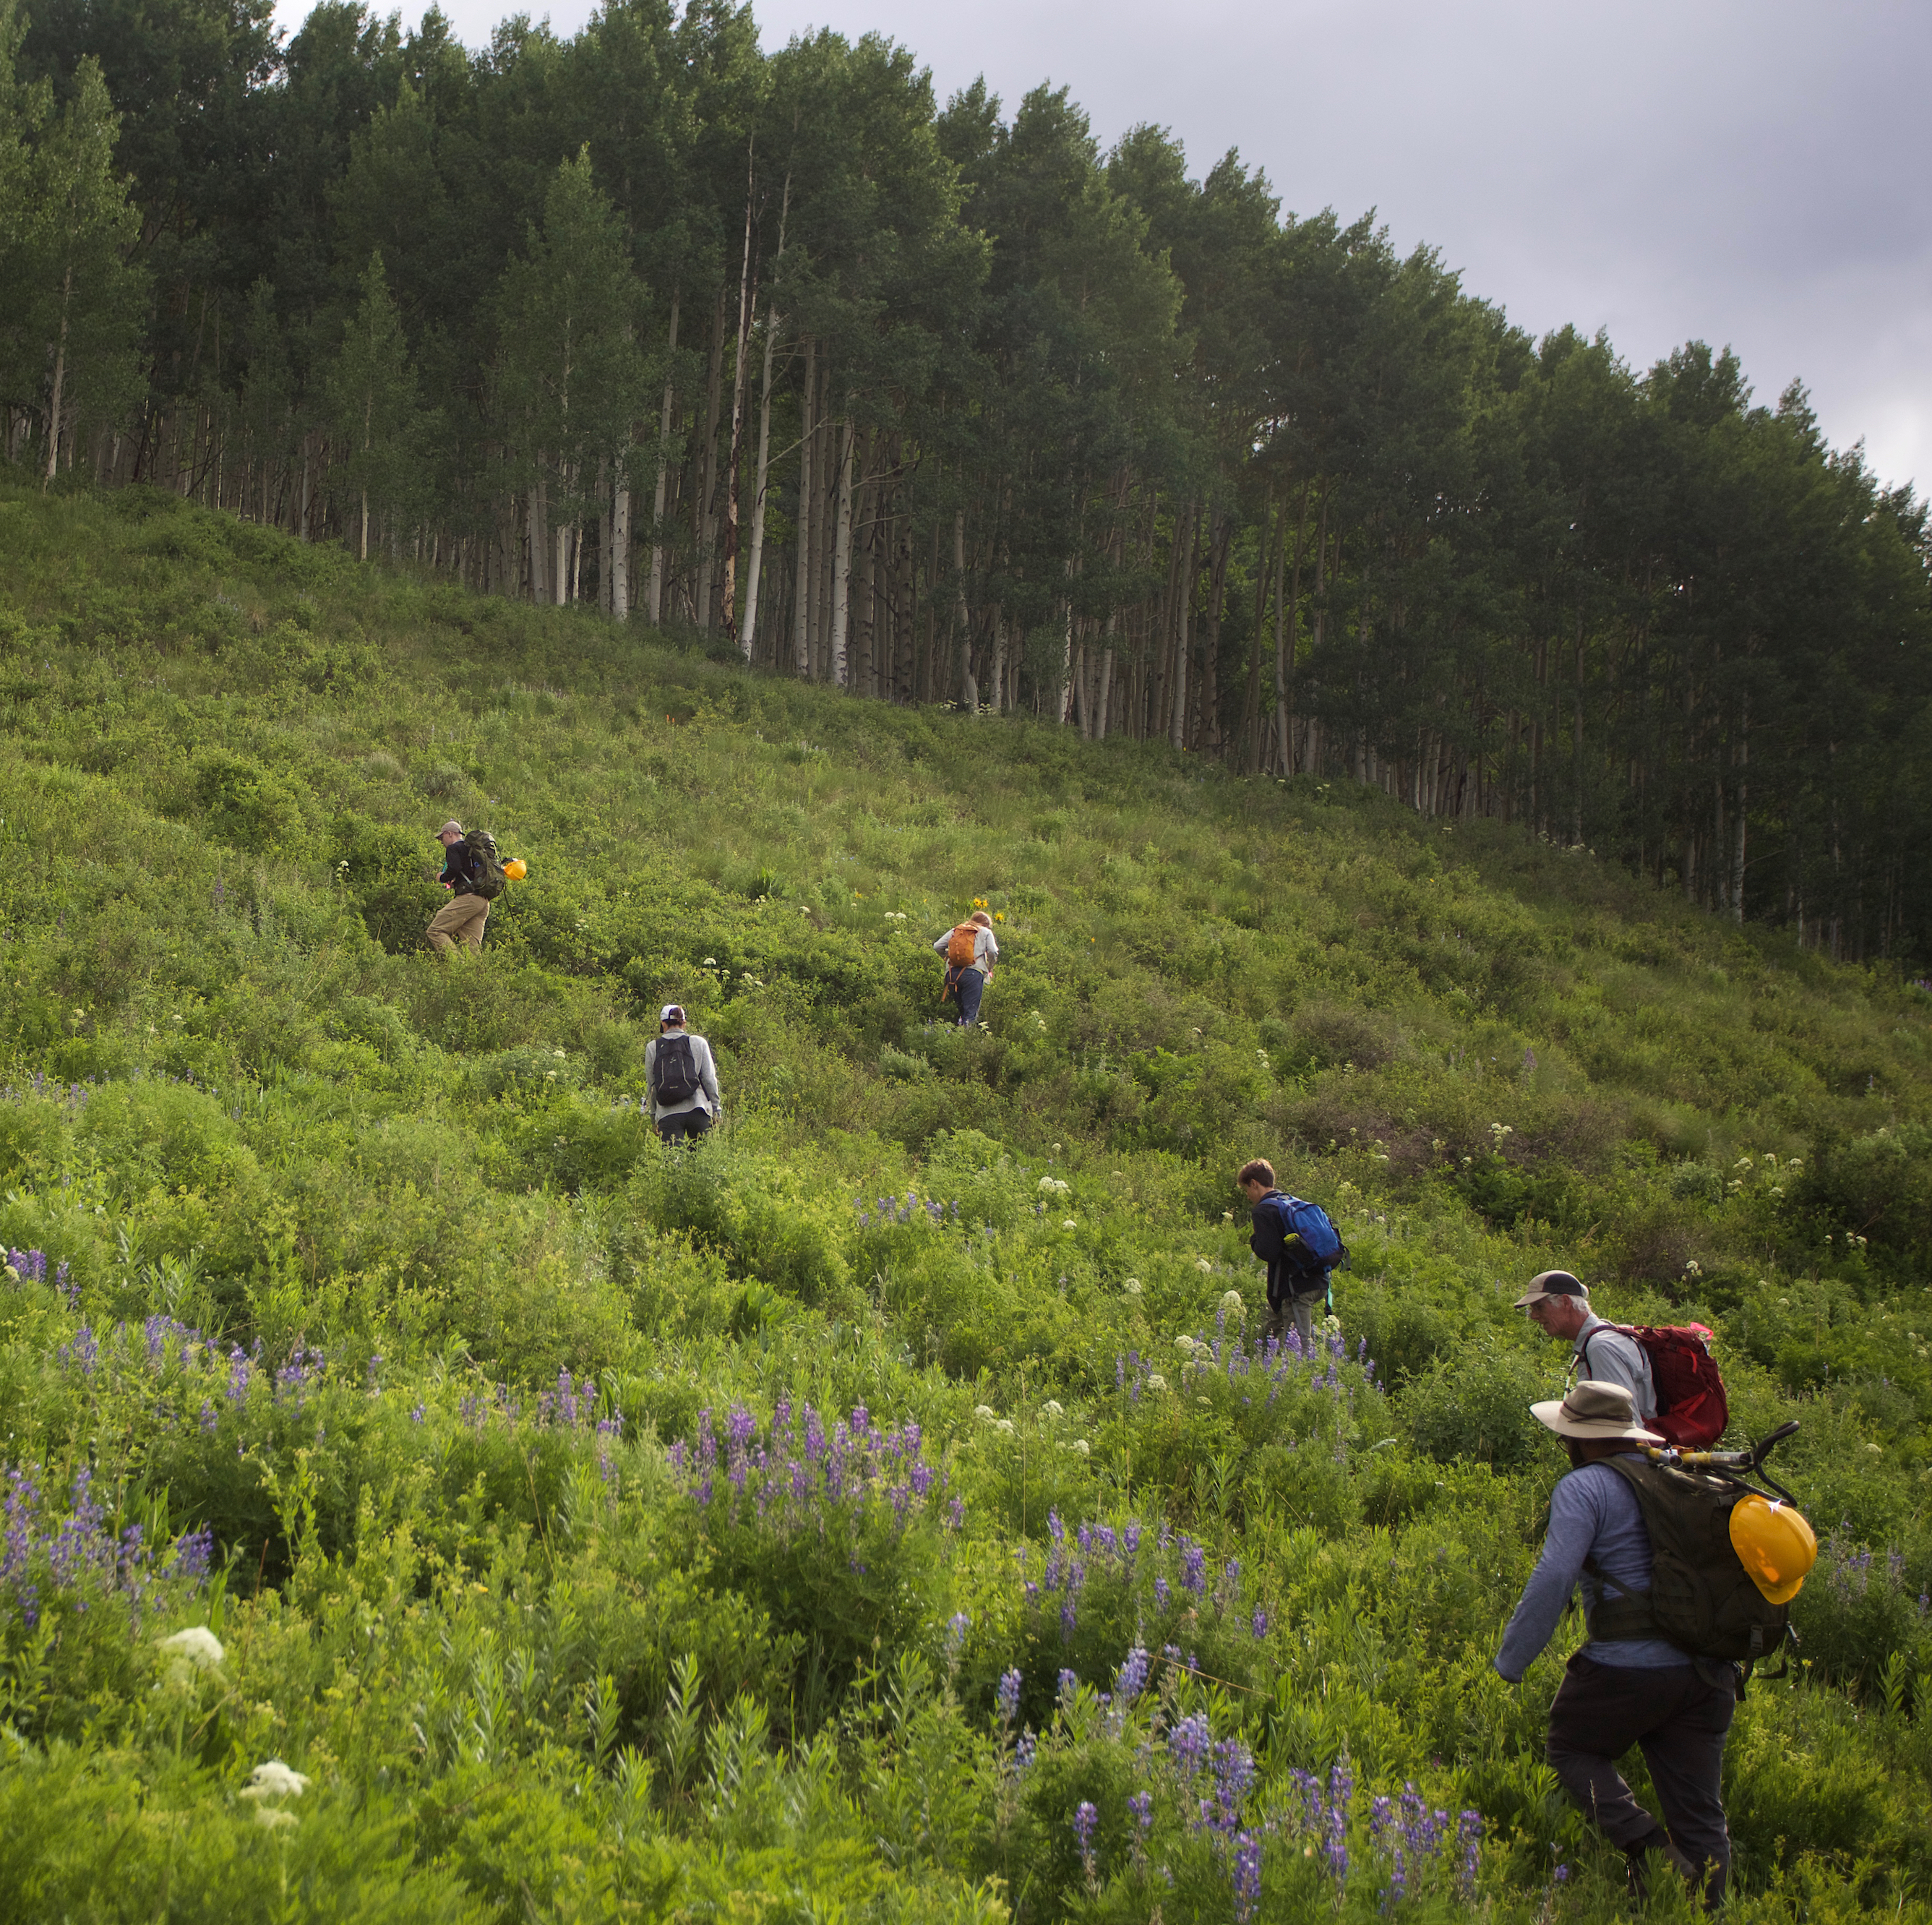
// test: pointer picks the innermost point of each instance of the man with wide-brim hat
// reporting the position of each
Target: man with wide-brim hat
(1559, 1303)
(1618, 1693)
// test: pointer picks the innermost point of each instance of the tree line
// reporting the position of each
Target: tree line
(940, 404)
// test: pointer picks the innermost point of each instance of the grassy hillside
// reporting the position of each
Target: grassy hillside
(604, 1532)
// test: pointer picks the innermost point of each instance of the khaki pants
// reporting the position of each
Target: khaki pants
(460, 920)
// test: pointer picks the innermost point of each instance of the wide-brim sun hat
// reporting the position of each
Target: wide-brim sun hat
(1550, 1284)
(1593, 1408)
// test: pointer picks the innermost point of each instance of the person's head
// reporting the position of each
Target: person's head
(450, 834)
(980, 919)
(1256, 1178)
(1556, 1301)
(1594, 1419)
(671, 1017)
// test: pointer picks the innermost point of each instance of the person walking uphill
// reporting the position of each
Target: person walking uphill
(1625, 1688)
(682, 1077)
(1299, 1245)
(465, 875)
(1557, 1302)
(971, 951)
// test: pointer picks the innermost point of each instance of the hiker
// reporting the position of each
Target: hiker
(971, 951)
(1625, 1688)
(1557, 1302)
(682, 1079)
(462, 918)
(1299, 1245)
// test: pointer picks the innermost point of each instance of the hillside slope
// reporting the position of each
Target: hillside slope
(600, 1529)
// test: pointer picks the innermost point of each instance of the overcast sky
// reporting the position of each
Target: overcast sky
(1757, 172)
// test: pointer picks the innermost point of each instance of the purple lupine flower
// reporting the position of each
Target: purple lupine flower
(1260, 1623)
(1161, 1592)
(419, 1414)
(1562, 1875)
(1189, 1744)
(1131, 1679)
(1469, 1851)
(1069, 1685)
(1023, 1752)
(207, 1420)
(1141, 1805)
(1193, 1566)
(192, 1555)
(1069, 1618)
(1233, 1779)
(1006, 1698)
(1341, 1791)
(1086, 1822)
(957, 1626)
(1247, 1875)
(1130, 1537)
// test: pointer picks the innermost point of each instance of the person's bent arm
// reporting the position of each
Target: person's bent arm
(707, 1075)
(1573, 1528)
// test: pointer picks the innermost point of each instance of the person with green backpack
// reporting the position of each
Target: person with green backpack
(474, 879)
(1687, 1578)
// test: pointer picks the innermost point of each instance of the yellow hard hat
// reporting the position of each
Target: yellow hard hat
(515, 869)
(1775, 1544)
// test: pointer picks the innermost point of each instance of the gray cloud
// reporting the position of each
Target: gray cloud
(1753, 174)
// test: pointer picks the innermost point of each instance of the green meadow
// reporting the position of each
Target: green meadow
(599, 1531)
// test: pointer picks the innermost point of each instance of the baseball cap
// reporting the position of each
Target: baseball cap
(672, 1012)
(1551, 1284)
(451, 827)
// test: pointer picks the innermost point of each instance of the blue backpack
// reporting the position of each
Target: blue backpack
(1319, 1237)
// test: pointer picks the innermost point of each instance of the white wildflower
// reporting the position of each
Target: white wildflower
(1067, 1223)
(1201, 1263)
(1051, 1408)
(1185, 1345)
(272, 1820)
(1132, 1286)
(1157, 1382)
(985, 1412)
(559, 1052)
(195, 1649)
(1232, 1303)
(709, 963)
(1078, 1446)
(275, 1780)
(1004, 1427)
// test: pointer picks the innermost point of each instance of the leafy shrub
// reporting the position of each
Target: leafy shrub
(1474, 1403)
(250, 806)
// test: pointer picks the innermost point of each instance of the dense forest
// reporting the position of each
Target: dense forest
(938, 405)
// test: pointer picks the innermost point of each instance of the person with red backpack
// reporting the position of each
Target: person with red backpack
(1668, 1369)
(971, 951)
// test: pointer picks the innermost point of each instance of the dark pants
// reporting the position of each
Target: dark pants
(1680, 1719)
(972, 987)
(685, 1125)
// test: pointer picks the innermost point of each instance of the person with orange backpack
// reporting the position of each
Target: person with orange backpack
(970, 951)
(1668, 1369)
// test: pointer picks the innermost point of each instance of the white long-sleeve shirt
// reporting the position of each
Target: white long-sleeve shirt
(705, 1097)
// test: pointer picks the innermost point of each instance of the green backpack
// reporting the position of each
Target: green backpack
(486, 878)
(1701, 1597)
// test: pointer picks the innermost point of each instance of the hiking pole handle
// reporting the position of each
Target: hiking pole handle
(1764, 1446)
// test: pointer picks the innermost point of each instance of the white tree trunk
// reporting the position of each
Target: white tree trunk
(60, 375)
(801, 611)
(841, 556)
(620, 563)
(755, 564)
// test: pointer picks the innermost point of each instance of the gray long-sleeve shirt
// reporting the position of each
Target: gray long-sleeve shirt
(1593, 1514)
(985, 950)
(707, 1097)
(1604, 1353)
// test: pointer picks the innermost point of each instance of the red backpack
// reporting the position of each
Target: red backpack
(1691, 1408)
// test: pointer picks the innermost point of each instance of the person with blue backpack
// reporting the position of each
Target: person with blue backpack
(1299, 1245)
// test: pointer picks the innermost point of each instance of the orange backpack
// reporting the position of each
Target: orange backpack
(960, 950)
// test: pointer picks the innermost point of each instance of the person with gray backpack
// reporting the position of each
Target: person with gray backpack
(681, 1077)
